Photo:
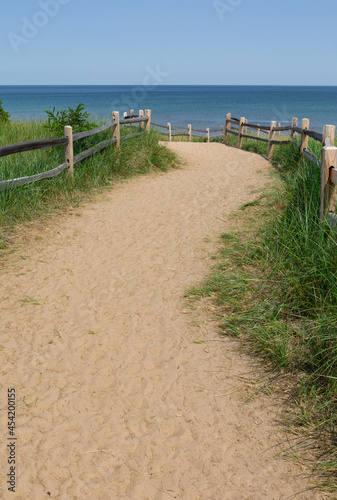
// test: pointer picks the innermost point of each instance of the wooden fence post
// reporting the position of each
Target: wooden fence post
(241, 127)
(117, 131)
(279, 132)
(189, 127)
(148, 123)
(271, 138)
(329, 133)
(227, 125)
(244, 128)
(131, 114)
(304, 137)
(258, 132)
(207, 134)
(141, 113)
(294, 123)
(169, 131)
(222, 133)
(69, 150)
(125, 115)
(329, 159)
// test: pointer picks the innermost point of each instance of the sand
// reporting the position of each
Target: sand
(115, 399)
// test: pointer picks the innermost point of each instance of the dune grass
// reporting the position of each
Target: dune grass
(276, 285)
(136, 156)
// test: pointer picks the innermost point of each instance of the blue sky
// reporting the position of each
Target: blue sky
(217, 42)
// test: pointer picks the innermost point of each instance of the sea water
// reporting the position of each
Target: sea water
(202, 106)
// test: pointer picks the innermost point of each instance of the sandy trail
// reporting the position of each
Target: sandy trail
(114, 398)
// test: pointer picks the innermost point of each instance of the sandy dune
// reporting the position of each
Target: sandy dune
(115, 400)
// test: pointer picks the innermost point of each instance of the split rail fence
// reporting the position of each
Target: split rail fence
(188, 132)
(68, 142)
(233, 126)
(328, 163)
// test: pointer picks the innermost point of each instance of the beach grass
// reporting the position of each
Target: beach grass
(136, 156)
(275, 283)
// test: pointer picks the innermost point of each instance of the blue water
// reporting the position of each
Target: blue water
(202, 106)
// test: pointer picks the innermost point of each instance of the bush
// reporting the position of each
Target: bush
(4, 115)
(77, 118)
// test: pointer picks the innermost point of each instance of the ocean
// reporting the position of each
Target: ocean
(202, 106)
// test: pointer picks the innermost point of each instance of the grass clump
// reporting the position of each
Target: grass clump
(276, 284)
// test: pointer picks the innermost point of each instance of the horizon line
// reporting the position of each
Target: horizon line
(168, 85)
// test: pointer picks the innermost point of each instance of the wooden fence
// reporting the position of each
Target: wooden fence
(328, 163)
(188, 132)
(233, 126)
(68, 142)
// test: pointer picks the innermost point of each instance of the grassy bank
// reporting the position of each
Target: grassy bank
(136, 156)
(275, 283)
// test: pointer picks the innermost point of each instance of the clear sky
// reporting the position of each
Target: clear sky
(216, 42)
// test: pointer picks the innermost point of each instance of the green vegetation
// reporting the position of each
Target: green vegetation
(276, 286)
(4, 115)
(136, 156)
(77, 118)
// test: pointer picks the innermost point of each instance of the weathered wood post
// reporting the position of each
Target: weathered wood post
(125, 115)
(117, 131)
(227, 125)
(69, 150)
(189, 128)
(329, 159)
(294, 123)
(271, 138)
(207, 134)
(131, 115)
(148, 123)
(141, 113)
(258, 132)
(244, 128)
(304, 137)
(279, 132)
(169, 131)
(241, 127)
(222, 134)
(329, 132)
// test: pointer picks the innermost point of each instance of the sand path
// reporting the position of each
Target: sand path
(115, 400)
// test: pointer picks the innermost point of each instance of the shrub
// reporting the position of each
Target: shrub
(77, 118)
(4, 115)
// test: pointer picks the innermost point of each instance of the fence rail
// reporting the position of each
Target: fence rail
(21, 181)
(31, 145)
(68, 141)
(314, 135)
(88, 133)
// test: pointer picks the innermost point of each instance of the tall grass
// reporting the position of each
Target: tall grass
(135, 156)
(277, 286)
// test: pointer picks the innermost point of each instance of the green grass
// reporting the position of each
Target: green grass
(276, 286)
(135, 157)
